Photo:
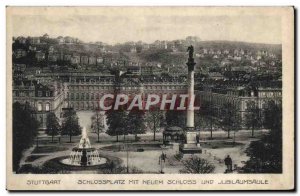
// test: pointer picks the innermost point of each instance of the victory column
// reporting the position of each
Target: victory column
(191, 144)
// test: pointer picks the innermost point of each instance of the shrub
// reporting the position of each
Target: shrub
(178, 156)
(196, 165)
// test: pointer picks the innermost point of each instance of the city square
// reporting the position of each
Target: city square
(108, 147)
(171, 98)
(169, 106)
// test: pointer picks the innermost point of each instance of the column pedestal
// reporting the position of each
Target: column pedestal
(191, 145)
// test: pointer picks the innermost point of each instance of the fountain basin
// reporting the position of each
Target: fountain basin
(58, 166)
(66, 161)
(84, 157)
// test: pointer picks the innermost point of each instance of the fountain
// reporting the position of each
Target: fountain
(84, 154)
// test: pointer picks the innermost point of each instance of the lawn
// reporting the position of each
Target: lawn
(132, 147)
(48, 149)
(220, 144)
(34, 157)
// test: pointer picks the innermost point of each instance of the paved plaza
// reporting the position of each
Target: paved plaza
(148, 160)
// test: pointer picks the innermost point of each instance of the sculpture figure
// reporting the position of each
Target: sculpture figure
(190, 49)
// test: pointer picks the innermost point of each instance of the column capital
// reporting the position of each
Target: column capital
(191, 64)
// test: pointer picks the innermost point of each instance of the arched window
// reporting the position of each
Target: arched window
(39, 107)
(92, 96)
(47, 107)
(92, 105)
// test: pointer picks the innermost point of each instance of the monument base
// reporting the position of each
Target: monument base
(190, 149)
(191, 146)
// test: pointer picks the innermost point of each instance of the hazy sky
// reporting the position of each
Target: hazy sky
(114, 28)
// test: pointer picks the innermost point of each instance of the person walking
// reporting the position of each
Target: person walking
(228, 163)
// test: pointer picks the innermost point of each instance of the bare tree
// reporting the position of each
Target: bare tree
(154, 119)
(53, 126)
(98, 123)
(70, 125)
(252, 116)
(230, 119)
(135, 122)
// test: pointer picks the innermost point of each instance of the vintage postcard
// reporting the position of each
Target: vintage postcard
(150, 98)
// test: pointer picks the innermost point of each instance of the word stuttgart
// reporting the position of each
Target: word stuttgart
(148, 102)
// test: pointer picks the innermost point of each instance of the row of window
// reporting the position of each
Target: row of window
(239, 104)
(23, 94)
(82, 96)
(90, 87)
(166, 87)
(124, 87)
(97, 96)
(84, 106)
(269, 94)
(43, 107)
(47, 94)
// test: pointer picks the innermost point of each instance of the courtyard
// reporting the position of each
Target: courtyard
(142, 156)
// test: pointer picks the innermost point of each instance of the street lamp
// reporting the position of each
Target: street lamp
(162, 158)
(127, 155)
(37, 141)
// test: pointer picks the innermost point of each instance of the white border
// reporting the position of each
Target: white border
(3, 3)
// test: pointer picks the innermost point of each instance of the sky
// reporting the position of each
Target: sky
(118, 28)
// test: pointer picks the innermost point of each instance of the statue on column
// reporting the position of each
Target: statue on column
(190, 49)
(191, 144)
(191, 62)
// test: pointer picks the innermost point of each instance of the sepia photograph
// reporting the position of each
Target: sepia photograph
(187, 98)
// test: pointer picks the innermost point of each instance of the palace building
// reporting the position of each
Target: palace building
(51, 92)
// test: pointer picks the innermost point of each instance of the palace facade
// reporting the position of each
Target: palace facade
(51, 92)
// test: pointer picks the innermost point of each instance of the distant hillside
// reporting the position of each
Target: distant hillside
(231, 45)
(165, 56)
(162, 56)
(86, 49)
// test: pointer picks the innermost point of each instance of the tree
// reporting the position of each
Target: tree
(266, 154)
(53, 126)
(272, 115)
(70, 125)
(252, 116)
(230, 119)
(136, 122)
(154, 119)
(202, 122)
(196, 165)
(204, 118)
(25, 129)
(117, 123)
(98, 123)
